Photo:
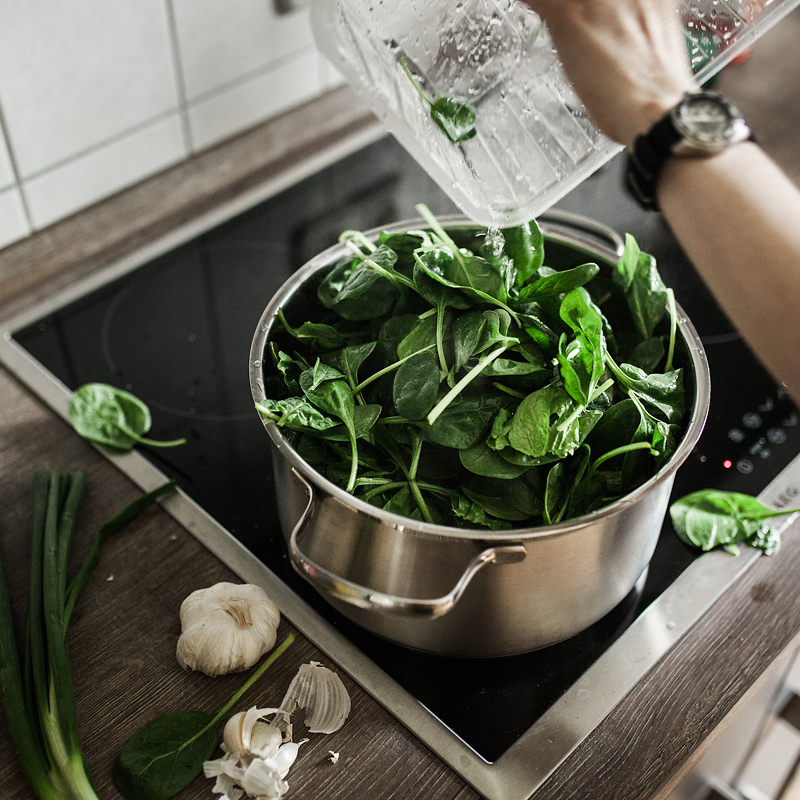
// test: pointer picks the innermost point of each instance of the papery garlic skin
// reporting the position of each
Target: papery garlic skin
(322, 695)
(226, 628)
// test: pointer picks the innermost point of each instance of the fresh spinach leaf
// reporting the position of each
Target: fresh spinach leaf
(112, 417)
(646, 295)
(662, 391)
(455, 117)
(553, 282)
(317, 335)
(555, 503)
(583, 370)
(294, 412)
(416, 385)
(471, 277)
(524, 245)
(404, 245)
(348, 360)
(423, 335)
(647, 355)
(496, 506)
(288, 367)
(471, 512)
(364, 419)
(483, 460)
(549, 423)
(356, 291)
(711, 518)
(165, 756)
(465, 421)
(327, 389)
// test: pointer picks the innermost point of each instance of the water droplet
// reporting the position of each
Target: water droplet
(256, 363)
(495, 241)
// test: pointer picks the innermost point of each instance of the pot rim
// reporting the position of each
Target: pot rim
(555, 224)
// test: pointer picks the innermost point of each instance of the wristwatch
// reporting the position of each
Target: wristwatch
(701, 125)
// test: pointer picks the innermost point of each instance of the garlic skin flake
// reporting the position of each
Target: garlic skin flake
(226, 628)
(321, 693)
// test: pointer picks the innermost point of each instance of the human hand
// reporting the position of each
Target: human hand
(627, 59)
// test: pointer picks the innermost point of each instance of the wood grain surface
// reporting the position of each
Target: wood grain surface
(126, 625)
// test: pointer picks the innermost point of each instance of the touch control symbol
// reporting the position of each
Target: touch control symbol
(776, 435)
(751, 420)
(736, 435)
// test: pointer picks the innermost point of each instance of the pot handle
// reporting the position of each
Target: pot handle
(363, 597)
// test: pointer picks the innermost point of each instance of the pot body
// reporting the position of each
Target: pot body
(463, 592)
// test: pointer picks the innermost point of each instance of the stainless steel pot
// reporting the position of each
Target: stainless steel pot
(473, 593)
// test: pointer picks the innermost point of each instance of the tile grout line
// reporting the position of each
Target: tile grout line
(15, 170)
(111, 140)
(180, 78)
(254, 73)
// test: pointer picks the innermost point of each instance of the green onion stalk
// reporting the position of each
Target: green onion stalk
(37, 694)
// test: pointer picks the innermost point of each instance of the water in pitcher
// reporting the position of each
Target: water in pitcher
(533, 141)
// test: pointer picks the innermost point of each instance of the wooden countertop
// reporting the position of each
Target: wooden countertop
(126, 625)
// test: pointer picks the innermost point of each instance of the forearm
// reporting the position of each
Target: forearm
(738, 218)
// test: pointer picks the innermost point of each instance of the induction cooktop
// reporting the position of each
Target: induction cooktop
(173, 325)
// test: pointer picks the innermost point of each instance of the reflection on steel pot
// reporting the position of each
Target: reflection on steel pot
(467, 592)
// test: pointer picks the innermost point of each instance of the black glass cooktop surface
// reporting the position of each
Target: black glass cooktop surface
(176, 332)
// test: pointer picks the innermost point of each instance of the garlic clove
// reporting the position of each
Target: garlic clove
(226, 628)
(232, 733)
(244, 734)
(265, 740)
(287, 754)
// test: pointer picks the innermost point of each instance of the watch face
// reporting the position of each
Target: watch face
(705, 118)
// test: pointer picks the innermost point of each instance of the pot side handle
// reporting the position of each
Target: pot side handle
(360, 596)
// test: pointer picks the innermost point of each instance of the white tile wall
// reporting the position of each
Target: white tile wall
(74, 75)
(263, 96)
(222, 43)
(108, 168)
(96, 95)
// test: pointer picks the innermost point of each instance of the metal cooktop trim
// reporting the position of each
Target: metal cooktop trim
(524, 767)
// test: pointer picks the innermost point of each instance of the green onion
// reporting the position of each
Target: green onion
(37, 696)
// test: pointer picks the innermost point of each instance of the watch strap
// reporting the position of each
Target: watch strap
(646, 160)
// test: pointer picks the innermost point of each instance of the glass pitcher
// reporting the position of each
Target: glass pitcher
(531, 141)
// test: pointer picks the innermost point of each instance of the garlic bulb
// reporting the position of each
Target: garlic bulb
(226, 628)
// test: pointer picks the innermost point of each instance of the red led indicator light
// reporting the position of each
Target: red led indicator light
(727, 463)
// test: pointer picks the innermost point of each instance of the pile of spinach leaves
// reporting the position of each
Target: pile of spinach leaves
(454, 377)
